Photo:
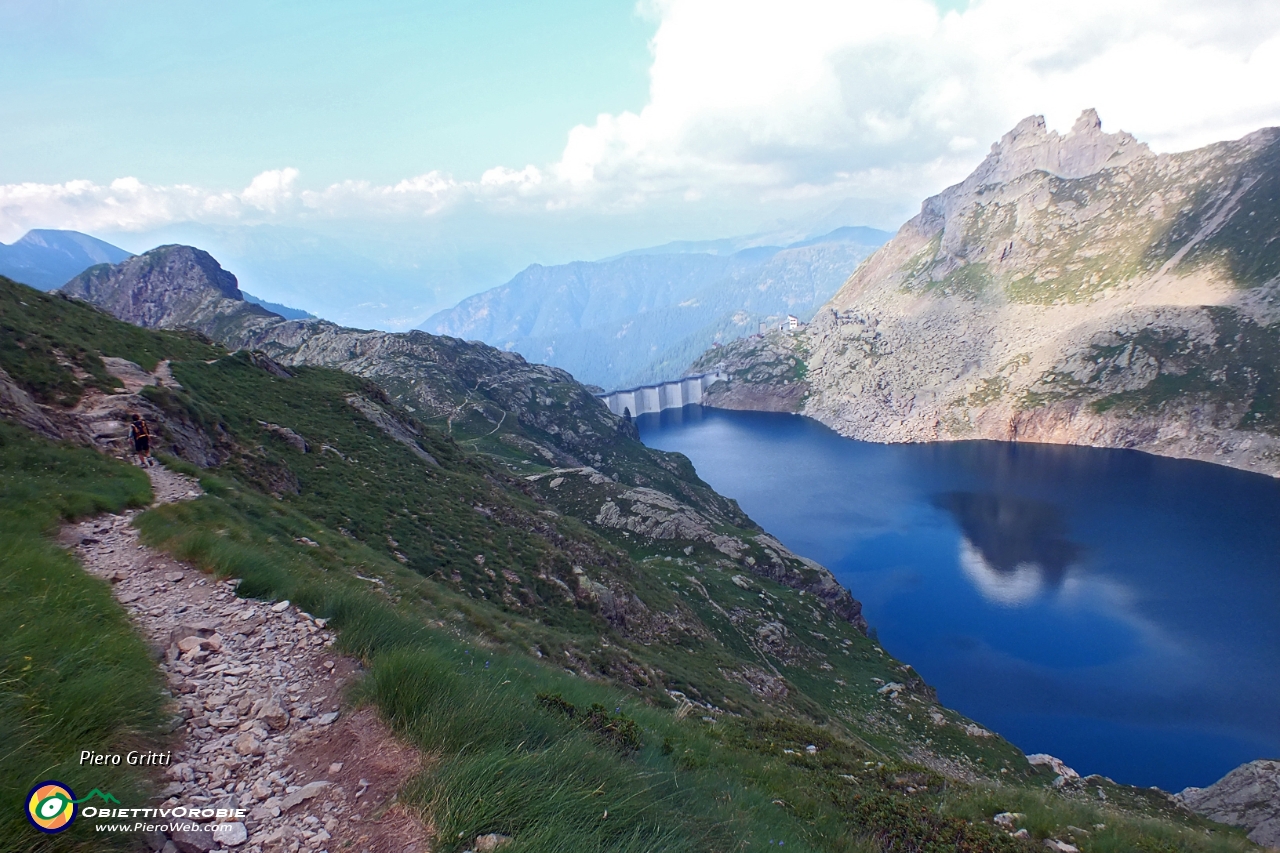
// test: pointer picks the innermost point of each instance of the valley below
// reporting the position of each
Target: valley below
(581, 641)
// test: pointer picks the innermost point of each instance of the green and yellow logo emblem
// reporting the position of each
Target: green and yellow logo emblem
(51, 806)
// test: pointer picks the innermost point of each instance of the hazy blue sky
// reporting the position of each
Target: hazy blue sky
(459, 141)
(214, 93)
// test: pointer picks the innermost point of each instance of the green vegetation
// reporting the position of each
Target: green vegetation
(45, 339)
(1244, 245)
(970, 281)
(993, 388)
(575, 686)
(1235, 375)
(543, 755)
(73, 674)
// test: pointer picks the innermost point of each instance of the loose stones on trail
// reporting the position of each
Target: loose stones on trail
(256, 688)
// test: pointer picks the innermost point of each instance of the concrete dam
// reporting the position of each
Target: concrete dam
(649, 399)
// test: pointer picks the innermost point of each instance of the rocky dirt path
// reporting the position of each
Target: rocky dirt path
(260, 724)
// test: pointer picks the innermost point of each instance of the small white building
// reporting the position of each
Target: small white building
(793, 323)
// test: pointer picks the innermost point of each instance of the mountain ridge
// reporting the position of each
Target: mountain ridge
(642, 315)
(1073, 289)
(48, 258)
(181, 287)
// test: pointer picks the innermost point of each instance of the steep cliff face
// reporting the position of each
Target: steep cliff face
(1074, 289)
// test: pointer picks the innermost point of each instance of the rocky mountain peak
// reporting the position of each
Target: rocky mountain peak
(1031, 147)
(187, 268)
(166, 287)
(1076, 288)
(1082, 151)
(1088, 121)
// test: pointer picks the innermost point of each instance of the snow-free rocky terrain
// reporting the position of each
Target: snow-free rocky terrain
(1075, 289)
(258, 693)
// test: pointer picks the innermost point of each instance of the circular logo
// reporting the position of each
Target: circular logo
(51, 806)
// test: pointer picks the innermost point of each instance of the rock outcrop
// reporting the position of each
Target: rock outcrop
(16, 404)
(1074, 289)
(658, 516)
(1248, 796)
(168, 287)
(766, 373)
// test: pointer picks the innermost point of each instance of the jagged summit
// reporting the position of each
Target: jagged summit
(1082, 151)
(1075, 288)
(1031, 147)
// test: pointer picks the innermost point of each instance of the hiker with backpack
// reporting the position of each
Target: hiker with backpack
(141, 436)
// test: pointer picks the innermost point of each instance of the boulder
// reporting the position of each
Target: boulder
(1248, 796)
(490, 842)
(193, 840)
(1058, 766)
(306, 792)
(274, 715)
(248, 745)
(231, 834)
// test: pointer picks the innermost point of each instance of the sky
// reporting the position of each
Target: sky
(445, 145)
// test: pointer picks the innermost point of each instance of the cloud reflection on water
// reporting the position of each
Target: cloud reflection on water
(1020, 585)
(1012, 548)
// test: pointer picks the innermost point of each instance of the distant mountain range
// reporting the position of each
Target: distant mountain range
(46, 259)
(276, 308)
(644, 315)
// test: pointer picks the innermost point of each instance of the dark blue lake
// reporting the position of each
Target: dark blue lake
(1112, 608)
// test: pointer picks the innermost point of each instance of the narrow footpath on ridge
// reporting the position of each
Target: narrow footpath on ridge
(258, 700)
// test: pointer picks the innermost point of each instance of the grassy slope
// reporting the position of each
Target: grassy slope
(458, 664)
(73, 674)
(45, 340)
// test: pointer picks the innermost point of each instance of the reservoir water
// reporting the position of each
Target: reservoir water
(1118, 610)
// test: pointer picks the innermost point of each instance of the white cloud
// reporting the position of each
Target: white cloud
(867, 97)
(127, 204)
(772, 105)
(270, 191)
(423, 195)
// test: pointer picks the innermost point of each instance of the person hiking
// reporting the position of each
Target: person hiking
(141, 436)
